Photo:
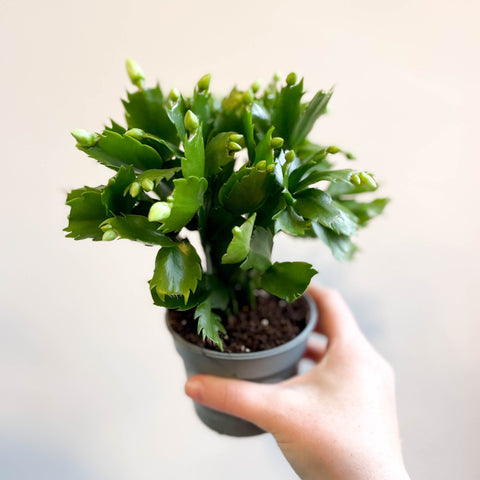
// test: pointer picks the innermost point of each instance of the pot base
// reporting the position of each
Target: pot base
(266, 366)
(226, 424)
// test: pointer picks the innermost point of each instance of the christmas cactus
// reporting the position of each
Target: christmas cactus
(238, 170)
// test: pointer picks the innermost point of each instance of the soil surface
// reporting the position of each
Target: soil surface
(272, 323)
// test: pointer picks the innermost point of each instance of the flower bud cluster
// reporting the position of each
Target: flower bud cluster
(363, 178)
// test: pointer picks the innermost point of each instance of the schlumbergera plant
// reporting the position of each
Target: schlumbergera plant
(238, 170)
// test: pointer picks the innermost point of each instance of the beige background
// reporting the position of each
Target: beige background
(90, 385)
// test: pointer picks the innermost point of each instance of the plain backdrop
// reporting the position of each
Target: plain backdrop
(90, 384)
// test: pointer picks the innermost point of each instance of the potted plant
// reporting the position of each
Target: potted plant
(238, 170)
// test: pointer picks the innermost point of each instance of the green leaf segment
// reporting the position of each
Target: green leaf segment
(238, 170)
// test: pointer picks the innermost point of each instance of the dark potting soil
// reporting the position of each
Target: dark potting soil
(272, 323)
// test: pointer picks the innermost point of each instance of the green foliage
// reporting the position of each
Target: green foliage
(146, 109)
(365, 211)
(318, 205)
(287, 280)
(177, 270)
(239, 247)
(238, 170)
(87, 212)
(260, 250)
(138, 228)
(186, 199)
(209, 323)
(286, 111)
(193, 164)
(113, 194)
(115, 150)
(246, 190)
(157, 175)
(315, 108)
(341, 246)
(217, 153)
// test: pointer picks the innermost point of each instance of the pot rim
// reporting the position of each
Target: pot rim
(301, 337)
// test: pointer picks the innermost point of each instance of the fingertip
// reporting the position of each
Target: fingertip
(194, 388)
(245, 399)
(334, 316)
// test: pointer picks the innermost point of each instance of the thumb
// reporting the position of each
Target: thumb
(248, 400)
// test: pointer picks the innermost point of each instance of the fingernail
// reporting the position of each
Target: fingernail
(194, 389)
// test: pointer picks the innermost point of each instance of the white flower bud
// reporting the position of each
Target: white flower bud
(159, 211)
(85, 138)
(147, 184)
(135, 73)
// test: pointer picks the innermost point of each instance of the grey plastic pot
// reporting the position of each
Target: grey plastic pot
(267, 366)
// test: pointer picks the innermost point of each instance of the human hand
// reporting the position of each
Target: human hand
(338, 421)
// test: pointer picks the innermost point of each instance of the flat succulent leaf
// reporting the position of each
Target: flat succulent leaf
(114, 151)
(260, 250)
(307, 160)
(209, 323)
(87, 212)
(193, 165)
(202, 107)
(311, 151)
(246, 190)
(287, 280)
(346, 188)
(229, 116)
(318, 173)
(177, 270)
(263, 150)
(341, 246)
(176, 113)
(239, 247)
(286, 111)
(166, 150)
(315, 204)
(177, 302)
(219, 293)
(158, 174)
(138, 228)
(296, 171)
(187, 199)
(270, 209)
(219, 224)
(288, 221)
(116, 127)
(365, 211)
(315, 108)
(217, 154)
(261, 117)
(113, 194)
(233, 102)
(146, 109)
(281, 170)
(248, 131)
